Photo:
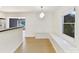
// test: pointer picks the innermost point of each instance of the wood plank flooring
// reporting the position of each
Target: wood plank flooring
(32, 45)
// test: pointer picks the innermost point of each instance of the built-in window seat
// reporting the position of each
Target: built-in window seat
(61, 45)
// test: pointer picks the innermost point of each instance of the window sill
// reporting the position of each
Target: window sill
(69, 36)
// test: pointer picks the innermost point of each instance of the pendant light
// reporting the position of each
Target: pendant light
(42, 13)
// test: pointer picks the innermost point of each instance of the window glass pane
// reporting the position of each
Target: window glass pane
(69, 29)
(69, 18)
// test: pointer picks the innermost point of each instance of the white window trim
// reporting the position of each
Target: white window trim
(67, 23)
(14, 17)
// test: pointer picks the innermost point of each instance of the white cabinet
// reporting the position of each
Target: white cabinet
(2, 24)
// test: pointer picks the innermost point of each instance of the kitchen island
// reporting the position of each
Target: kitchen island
(10, 39)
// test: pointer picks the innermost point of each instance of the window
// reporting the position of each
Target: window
(17, 22)
(69, 25)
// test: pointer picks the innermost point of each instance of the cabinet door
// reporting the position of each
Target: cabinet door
(2, 24)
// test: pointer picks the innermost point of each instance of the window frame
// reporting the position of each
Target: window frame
(68, 23)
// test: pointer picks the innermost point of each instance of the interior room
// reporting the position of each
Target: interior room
(39, 29)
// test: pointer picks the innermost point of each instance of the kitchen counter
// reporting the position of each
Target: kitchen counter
(7, 29)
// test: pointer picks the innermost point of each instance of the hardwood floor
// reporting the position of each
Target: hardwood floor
(32, 45)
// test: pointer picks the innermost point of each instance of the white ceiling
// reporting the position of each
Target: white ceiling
(27, 8)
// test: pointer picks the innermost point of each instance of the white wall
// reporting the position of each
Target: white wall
(57, 25)
(58, 18)
(33, 22)
(2, 15)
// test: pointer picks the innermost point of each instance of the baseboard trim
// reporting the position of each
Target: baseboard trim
(29, 37)
(13, 51)
(52, 44)
(57, 48)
